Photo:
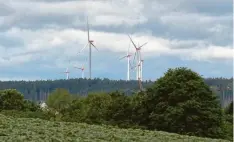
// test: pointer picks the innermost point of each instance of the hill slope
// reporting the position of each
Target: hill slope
(27, 129)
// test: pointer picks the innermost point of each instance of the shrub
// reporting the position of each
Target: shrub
(11, 99)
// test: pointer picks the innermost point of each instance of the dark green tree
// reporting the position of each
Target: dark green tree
(11, 99)
(96, 107)
(76, 112)
(59, 99)
(141, 109)
(183, 103)
(229, 109)
(119, 109)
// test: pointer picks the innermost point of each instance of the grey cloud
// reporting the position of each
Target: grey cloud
(210, 7)
(10, 42)
(5, 10)
(190, 28)
(32, 21)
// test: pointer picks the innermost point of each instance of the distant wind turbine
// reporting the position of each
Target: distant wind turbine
(128, 60)
(138, 57)
(138, 62)
(67, 73)
(82, 70)
(90, 43)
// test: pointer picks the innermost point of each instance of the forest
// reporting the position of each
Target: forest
(39, 90)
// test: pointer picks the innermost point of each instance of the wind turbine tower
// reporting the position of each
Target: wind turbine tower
(138, 62)
(128, 64)
(137, 55)
(90, 43)
(67, 73)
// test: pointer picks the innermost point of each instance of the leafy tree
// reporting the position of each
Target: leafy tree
(141, 109)
(183, 103)
(96, 107)
(76, 112)
(119, 109)
(11, 99)
(59, 99)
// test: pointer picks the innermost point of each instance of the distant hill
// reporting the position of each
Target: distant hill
(39, 90)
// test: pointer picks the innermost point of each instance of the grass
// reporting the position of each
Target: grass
(31, 129)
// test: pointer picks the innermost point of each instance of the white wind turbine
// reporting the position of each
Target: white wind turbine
(67, 73)
(90, 43)
(139, 61)
(82, 70)
(128, 60)
(141, 64)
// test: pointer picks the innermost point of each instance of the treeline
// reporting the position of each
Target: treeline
(179, 102)
(39, 90)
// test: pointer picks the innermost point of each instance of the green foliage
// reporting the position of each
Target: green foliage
(25, 130)
(141, 109)
(59, 99)
(181, 102)
(96, 107)
(30, 106)
(11, 99)
(47, 115)
(229, 109)
(119, 111)
(39, 90)
(76, 112)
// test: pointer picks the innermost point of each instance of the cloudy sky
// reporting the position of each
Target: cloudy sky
(39, 39)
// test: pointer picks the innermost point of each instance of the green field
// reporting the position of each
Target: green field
(37, 130)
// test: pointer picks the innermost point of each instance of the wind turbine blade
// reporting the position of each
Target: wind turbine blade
(143, 44)
(131, 65)
(129, 47)
(134, 56)
(83, 47)
(93, 46)
(122, 57)
(88, 27)
(132, 42)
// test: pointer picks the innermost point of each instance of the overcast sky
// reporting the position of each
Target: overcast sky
(39, 37)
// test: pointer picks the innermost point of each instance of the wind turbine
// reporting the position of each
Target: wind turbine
(139, 59)
(90, 43)
(67, 73)
(128, 67)
(82, 70)
(138, 54)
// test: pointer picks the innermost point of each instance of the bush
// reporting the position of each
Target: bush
(76, 112)
(11, 99)
(59, 99)
(96, 107)
(118, 111)
(30, 106)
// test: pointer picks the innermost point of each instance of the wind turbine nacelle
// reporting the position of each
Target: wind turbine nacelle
(91, 41)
